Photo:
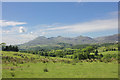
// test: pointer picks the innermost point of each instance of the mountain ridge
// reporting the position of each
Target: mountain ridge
(41, 40)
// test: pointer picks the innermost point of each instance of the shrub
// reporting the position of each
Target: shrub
(81, 60)
(101, 60)
(44, 61)
(22, 62)
(95, 60)
(12, 69)
(14, 63)
(28, 66)
(87, 60)
(73, 63)
(54, 61)
(12, 74)
(76, 60)
(45, 70)
(68, 62)
(91, 60)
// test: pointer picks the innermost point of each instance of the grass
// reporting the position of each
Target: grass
(11, 54)
(109, 52)
(0, 70)
(62, 70)
(115, 46)
(58, 69)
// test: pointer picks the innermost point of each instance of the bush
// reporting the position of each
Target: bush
(54, 61)
(68, 62)
(45, 70)
(95, 60)
(73, 63)
(101, 60)
(12, 69)
(12, 74)
(21, 62)
(14, 63)
(28, 66)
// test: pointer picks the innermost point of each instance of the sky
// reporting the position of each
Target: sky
(60, 0)
(24, 21)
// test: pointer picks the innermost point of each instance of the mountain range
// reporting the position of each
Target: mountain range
(43, 41)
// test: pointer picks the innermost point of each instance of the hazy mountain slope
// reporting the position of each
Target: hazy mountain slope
(53, 41)
(107, 39)
(84, 40)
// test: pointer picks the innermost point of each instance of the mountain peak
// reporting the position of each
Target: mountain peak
(41, 37)
(59, 36)
(41, 40)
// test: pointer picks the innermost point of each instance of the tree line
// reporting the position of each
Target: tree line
(9, 48)
(82, 53)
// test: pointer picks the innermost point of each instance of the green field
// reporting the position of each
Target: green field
(109, 52)
(56, 69)
(62, 70)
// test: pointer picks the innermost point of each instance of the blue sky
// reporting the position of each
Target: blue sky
(27, 20)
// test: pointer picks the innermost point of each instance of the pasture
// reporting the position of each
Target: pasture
(61, 70)
(55, 67)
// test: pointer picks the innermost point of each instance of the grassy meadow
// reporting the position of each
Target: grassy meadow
(24, 65)
(61, 70)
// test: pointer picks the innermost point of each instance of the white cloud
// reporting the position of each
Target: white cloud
(91, 26)
(27, 37)
(43, 33)
(31, 32)
(14, 30)
(5, 23)
(17, 39)
(58, 28)
(5, 31)
(79, 1)
(21, 29)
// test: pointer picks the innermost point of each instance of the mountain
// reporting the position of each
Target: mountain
(42, 41)
(107, 39)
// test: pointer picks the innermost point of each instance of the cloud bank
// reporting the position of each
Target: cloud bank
(91, 26)
(5, 23)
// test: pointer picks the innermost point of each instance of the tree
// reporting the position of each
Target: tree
(16, 49)
(96, 52)
(3, 46)
(10, 48)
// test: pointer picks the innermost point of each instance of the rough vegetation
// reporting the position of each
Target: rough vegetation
(79, 61)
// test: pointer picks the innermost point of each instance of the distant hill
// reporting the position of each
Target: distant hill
(42, 41)
(54, 40)
(107, 39)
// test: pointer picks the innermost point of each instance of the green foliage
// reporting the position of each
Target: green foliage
(83, 52)
(96, 52)
(10, 48)
(12, 74)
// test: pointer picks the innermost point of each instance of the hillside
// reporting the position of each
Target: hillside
(107, 39)
(42, 41)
